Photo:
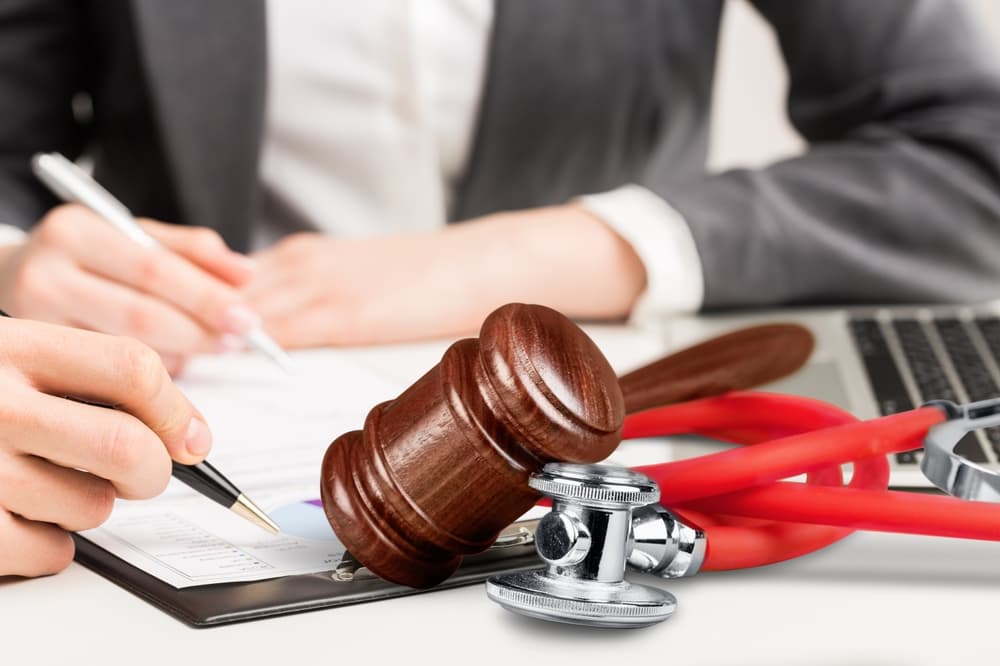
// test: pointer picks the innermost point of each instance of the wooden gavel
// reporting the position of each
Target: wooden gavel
(438, 472)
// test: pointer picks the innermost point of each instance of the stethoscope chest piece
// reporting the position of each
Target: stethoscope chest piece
(584, 542)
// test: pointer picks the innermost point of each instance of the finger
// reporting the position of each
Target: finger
(318, 327)
(32, 549)
(38, 490)
(110, 307)
(280, 300)
(268, 278)
(279, 265)
(110, 370)
(205, 248)
(161, 273)
(174, 363)
(270, 285)
(106, 442)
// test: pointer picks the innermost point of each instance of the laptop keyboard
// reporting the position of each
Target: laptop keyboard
(911, 361)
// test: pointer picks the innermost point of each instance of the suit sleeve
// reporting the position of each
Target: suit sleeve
(897, 198)
(43, 67)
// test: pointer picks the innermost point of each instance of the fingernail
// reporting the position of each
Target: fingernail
(231, 343)
(199, 438)
(240, 319)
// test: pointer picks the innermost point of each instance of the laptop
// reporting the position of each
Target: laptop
(881, 360)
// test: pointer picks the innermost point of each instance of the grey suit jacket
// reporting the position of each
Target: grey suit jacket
(897, 199)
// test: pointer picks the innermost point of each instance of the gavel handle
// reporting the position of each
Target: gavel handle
(739, 360)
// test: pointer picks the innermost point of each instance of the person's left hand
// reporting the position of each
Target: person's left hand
(314, 290)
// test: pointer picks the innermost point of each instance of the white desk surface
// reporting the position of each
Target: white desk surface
(870, 600)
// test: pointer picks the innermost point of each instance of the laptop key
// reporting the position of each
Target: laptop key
(886, 382)
(968, 363)
(883, 375)
(989, 328)
(976, 379)
(929, 376)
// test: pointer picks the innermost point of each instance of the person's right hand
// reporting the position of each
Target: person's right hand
(48, 440)
(181, 299)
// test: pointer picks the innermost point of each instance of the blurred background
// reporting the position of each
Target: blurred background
(749, 124)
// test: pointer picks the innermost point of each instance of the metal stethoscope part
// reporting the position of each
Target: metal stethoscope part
(602, 518)
(948, 470)
(605, 517)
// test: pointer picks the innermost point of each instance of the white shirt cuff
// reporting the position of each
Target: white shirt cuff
(11, 235)
(663, 241)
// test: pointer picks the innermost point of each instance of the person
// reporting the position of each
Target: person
(334, 142)
(62, 461)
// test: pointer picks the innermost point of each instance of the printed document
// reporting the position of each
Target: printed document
(270, 431)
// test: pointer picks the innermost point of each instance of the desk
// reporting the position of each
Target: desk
(872, 599)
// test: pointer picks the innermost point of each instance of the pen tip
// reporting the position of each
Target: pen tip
(247, 509)
(262, 342)
(284, 361)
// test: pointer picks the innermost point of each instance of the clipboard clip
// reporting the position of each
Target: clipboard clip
(349, 570)
(518, 534)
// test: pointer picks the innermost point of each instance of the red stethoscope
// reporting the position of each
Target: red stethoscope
(751, 516)
(735, 509)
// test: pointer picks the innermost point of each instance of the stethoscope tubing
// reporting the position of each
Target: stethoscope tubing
(751, 517)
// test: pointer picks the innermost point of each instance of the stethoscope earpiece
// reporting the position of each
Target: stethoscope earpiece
(585, 542)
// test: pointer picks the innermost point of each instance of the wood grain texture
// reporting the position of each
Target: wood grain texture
(438, 472)
(736, 361)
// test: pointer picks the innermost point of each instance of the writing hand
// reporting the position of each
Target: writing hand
(62, 462)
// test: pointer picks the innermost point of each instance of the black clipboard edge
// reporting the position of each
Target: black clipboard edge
(216, 605)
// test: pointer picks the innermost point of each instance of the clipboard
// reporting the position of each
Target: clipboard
(350, 583)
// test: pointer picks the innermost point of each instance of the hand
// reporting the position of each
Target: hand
(76, 269)
(46, 441)
(313, 290)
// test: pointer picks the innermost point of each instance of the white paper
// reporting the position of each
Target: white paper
(270, 431)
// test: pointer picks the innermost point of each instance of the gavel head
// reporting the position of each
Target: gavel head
(438, 472)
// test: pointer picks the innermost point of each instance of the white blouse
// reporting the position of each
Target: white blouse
(371, 110)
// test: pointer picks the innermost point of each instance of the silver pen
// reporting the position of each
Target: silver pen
(73, 185)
